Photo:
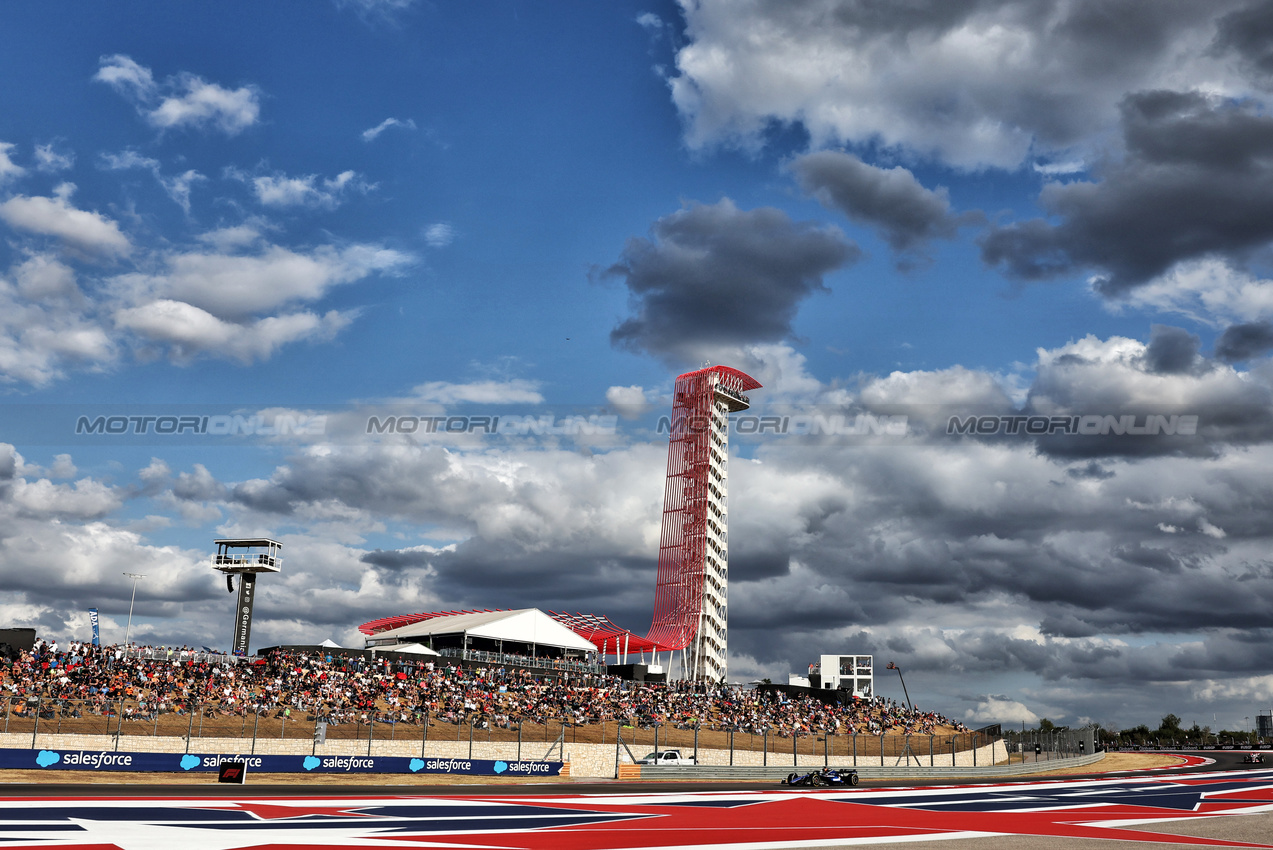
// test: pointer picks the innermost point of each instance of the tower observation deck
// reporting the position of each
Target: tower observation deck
(691, 610)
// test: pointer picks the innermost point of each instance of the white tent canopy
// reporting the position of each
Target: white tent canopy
(408, 649)
(331, 644)
(525, 625)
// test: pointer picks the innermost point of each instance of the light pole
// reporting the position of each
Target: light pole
(892, 666)
(128, 631)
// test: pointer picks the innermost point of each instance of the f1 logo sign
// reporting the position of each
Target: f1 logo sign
(233, 771)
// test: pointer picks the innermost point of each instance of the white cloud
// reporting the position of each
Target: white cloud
(1000, 709)
(383, 10)
(371, 134)
(46, 323)
(8, 168)
(439, 235)
(190, 331)
(233, 286)
(309, 190)
(84, 499)
(86, 231)
(649, 21)
(126, 76)
(973, 85)
(1211, 530)
(177, 187)
(628, 402)
(48, 160)
(184, 100)
(1207, 290)
(233, 238)
(516, 391)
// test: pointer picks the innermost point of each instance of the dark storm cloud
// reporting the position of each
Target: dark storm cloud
(396, 559)
(891, 201)
(717, 276)
(1248, 33)
(1244, 341)
(1196, 181)
(1091, 470)
(1172, 351)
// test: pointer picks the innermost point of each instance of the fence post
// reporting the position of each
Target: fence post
(795, 755)
(371, 733)
(731, 747)
(765, 760)
(38, 702)
(618, 736)
(855, 749)
(881, 749)
(189, 726)
(931, 763)
(8, 704)
(826, 744)
(519, 740)
(256, 720)
(696, 723)
(471, 722)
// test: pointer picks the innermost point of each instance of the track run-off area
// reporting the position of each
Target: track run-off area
(1208, 803)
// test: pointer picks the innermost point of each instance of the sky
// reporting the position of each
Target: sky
(422, 275)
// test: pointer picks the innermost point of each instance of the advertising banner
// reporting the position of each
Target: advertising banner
(92, 618)
(243, 613)
(198, 762)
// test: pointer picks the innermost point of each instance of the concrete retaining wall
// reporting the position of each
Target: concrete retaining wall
(587, 760)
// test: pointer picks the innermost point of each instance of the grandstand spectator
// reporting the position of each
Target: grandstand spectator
(348, 690)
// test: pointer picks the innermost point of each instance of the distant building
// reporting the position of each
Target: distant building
(1264, 725)
(853, 673)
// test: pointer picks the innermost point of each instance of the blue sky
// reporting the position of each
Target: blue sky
(342, 209)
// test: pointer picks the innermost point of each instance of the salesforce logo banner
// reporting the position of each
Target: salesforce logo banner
(200, 762)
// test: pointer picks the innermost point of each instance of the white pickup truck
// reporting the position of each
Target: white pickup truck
(665, 758)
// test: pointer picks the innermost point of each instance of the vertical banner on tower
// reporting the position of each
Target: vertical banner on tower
(92, 618)
(243, 613)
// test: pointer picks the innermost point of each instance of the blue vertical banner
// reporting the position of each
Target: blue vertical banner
(92, 618)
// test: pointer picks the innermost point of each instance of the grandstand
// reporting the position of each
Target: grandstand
(160, 691)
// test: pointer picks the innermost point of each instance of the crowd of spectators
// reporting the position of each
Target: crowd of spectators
(79, 677)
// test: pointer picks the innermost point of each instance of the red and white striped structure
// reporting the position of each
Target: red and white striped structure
(691, 611)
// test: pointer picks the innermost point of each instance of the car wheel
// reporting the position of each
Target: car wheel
(853, 779)
(815, 780)
(791, 779)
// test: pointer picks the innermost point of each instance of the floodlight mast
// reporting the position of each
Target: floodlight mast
(128, 631)
(246, 557)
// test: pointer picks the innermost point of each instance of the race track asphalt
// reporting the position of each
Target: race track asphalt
(1220, 803)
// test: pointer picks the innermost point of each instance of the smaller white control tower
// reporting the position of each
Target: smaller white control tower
(246, 557)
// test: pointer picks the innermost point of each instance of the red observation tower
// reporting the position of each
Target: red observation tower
(691, 589)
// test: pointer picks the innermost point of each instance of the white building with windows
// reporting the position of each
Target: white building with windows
(853, 673)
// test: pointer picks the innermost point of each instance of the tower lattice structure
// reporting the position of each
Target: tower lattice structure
(691, 597)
